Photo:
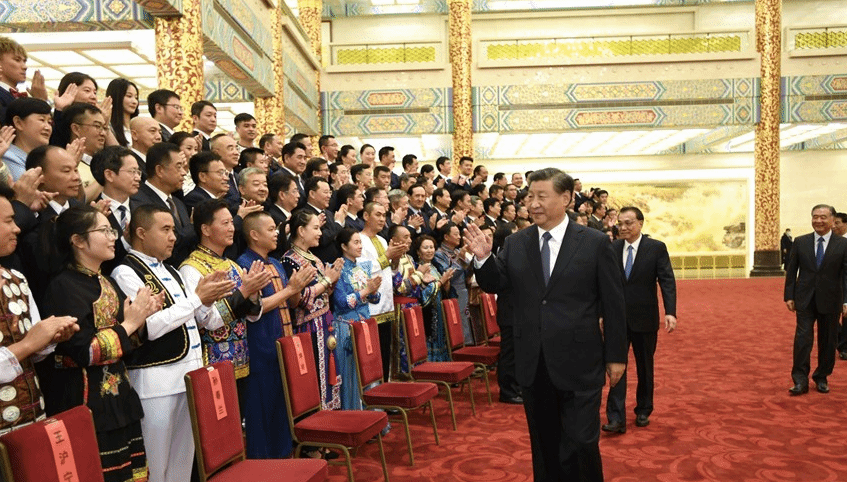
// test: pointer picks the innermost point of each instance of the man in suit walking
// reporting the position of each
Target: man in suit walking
(785, 247)
(563, 277)
(644, 262)
(816, 289)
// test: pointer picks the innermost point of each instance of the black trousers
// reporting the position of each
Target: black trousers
(842, 336)
(506, 364)
(804, 339)
(385, 347)
(644, 349)
(564, 430)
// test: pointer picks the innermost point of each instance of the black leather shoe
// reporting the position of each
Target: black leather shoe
(642, 421)
(516, 400)
(798, 389)
(843, 355)
(822, 387)
(618, 427)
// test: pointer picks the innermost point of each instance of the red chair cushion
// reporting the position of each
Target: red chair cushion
(403, 395)
(450, 372)
(416, 346)
(283, 470)
(487, 355)
(302, 387)
(370, 364)
(494, 341)
(350, 428)
(220, 440)
(31, 453)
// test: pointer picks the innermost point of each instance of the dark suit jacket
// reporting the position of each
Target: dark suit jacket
(120, 250)
(165, 134)
(326, 250)
(195, 197)
(186, 238)
(560, 320)
(358, 224)
(204, 143)
(6, 98)
(595, 223)
(395, 181)
(652, 265)
(61, 134)
(805, 282)
(280, 219)
(142, 164)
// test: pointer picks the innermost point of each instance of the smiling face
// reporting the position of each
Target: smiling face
(32, 131)
(546, 206)
(264, 235)
(426, 251)
(61, 175)
(127, 179)
(822, 220)
(87, 93)
(255, 188)
(130, 101)
(310, 234)
(98, 244)
(369, 156)
(207, 121)
(92, 127)
(227, 149)
(247, 132)
(221, 231)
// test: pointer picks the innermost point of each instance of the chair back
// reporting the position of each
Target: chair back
(489, 313)
(299, 373)
(367, 351)
(453, 324)
(61, 446)
(215, 416)
(414, 333)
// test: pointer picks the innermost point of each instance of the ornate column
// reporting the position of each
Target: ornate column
(460, 63)
(310, 12)
(179, 57)
(270, 111)
(766, 255)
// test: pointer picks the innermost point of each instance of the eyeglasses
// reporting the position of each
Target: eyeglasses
(175, 106)
(97, 126)
(108, 232)
(132, 172)
(221, 173)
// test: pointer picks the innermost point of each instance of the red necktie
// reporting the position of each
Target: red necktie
(17, 94)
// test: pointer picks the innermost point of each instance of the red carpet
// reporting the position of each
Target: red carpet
(722, 409)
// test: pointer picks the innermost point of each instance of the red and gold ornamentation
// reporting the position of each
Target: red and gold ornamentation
(179, 57)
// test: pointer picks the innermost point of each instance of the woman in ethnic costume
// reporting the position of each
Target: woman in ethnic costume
(312, 313)
(450, 256)
(436, 339)
(87, 369)
(354, 290)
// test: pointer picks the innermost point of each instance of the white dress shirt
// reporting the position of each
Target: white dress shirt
(555, 243)
(386, 287)
(826, 237)
(635, 245)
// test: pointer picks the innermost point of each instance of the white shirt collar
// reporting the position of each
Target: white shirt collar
(635, 245)
(114, 203)
(205, 136)
(352, 216)
(7, 86)
(59, 208)
(316, 208)
(284, 211)
(158, 191)
(166, 128)
(210, 194)
(149, 260)
(558, 232)
(826, 237)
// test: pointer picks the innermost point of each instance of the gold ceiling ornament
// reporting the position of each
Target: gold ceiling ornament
(460, 63)
(766, 151)
(179, 57)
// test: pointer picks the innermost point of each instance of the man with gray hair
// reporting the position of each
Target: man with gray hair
(816, 290)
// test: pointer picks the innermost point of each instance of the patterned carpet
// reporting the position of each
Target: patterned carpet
(722, 412)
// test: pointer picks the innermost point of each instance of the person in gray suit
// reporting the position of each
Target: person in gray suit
(644, 262)
(563, 278)
(816, 289)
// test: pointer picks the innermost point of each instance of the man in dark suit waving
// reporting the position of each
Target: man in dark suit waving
(816, 289)
(644, 262)
(563, 277)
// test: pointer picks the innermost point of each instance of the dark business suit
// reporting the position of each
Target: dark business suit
(6, 98)
(651, 265)
(357, 224)
(506, 363)
(595, 223)
(165, 133)
(785, 243)
(186, 238)
(326, 250)
(281, 220)
(204, 143)
(560, 351)
(120, 250)
(195, 197)
(819, 294)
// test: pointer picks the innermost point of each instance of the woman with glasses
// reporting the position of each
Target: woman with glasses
(88, 368)
(124, 96)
